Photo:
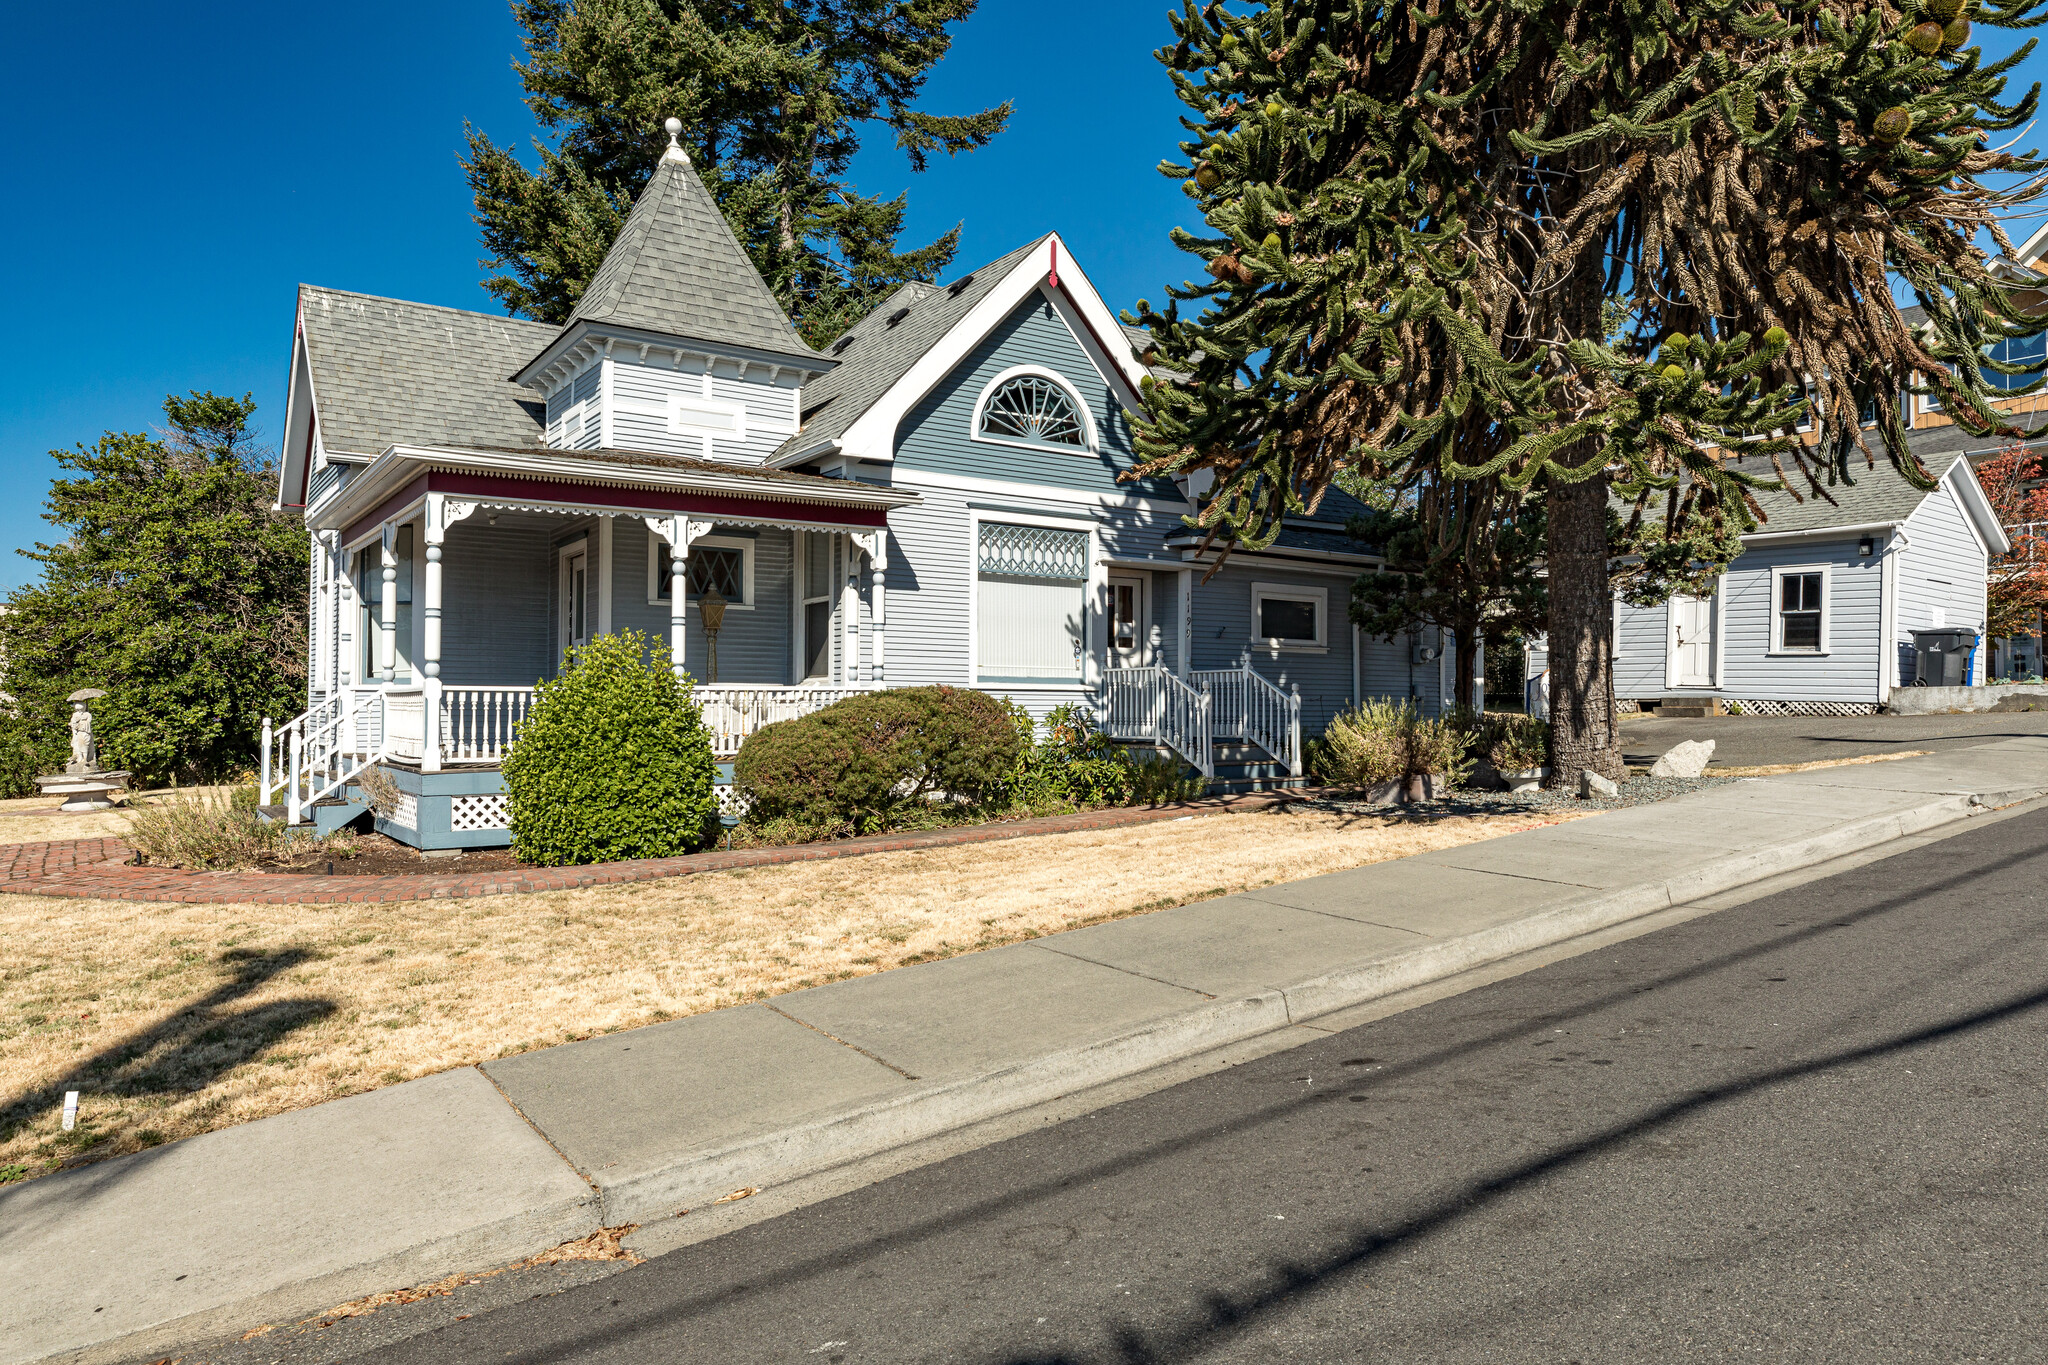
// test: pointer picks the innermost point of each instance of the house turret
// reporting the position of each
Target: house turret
(677, 345)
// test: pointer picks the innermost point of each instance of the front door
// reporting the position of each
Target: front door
(1129, 620)
(576, 599)
(1691, 662)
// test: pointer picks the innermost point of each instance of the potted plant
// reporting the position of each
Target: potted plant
(1517, 749)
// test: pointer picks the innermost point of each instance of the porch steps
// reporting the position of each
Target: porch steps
(325, 816)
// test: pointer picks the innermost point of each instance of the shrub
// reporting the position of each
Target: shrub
(1072, 766)
(870, 761)
(1515, 742)
(222, 834)
(612, 761)
(1383, 741)
(1156, 780)
(24, 756)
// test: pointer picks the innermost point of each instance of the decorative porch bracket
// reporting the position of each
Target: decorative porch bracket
(875, 544)
(441, 513)
(680, 533)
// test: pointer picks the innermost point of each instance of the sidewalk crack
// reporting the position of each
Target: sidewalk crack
(880, 1061)
(1142, 976)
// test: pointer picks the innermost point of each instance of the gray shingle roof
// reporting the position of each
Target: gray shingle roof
(873, 354)
(1879, 495)
(386, 371)
(677, 269)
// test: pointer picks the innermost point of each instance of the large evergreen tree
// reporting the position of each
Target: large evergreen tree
(772, 95)
(177, 587)
(1417, 215)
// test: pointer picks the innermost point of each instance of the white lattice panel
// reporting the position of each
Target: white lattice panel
(1624, 707)
(1805, 708)
(407, 811)
(483, 811)
(730, 801)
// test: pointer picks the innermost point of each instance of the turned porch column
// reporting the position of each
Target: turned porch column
(387, 604)
(876, 544)
(440, 514)
(679, 532)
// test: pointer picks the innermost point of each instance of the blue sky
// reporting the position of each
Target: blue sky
(174, 171)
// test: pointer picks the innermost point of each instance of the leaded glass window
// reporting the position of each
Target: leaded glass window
(1033, 408)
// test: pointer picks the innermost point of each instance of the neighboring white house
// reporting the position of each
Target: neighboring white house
(937, 497)
(1816, 616)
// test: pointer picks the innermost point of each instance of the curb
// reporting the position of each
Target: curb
(828, 1140)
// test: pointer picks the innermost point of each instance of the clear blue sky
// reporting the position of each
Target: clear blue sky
(174, 171)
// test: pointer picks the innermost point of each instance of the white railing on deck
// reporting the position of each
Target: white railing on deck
(310, 757)
(477, 723)
(733, 711)
(1247, 707)
(1151, 704)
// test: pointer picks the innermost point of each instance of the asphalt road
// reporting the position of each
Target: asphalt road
(1809, 1128)
(1750, 741)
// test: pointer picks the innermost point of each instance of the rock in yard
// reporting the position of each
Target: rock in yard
(1591, 784)
(1686, 760)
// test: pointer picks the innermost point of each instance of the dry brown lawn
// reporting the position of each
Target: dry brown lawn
(172, 1020)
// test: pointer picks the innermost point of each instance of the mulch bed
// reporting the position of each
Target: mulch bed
(101, 868)
(379, 856)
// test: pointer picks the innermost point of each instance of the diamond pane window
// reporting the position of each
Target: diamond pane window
(1033, 552)
(1030, 408)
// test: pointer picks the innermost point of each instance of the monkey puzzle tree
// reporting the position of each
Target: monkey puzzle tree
(1418, 213)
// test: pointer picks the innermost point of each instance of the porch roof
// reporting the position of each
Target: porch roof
(607, 482)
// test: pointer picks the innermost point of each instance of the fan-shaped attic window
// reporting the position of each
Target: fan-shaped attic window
(1032, 407)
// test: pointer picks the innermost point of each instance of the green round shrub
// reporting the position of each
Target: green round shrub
(861, 763)
(612, 761)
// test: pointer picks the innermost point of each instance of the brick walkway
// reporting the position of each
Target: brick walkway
(97, 868)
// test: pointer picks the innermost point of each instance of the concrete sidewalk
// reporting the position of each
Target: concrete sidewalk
(474, 1168)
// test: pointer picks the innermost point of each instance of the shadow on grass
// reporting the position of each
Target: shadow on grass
(187, 1052)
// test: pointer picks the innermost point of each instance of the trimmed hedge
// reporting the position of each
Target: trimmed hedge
(861, 762)
(612, 761)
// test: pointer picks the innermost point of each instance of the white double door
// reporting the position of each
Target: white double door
(1689, 658)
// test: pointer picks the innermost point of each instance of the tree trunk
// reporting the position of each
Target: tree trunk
(1465, 663)
(1583, 731)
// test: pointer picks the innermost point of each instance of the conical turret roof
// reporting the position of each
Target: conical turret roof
(677, 269)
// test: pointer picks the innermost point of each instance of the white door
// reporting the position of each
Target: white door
(1691, 660)
(576, 599)
(1129, 622)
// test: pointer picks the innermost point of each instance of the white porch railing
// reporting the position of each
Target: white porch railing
(1247, 707)
(477, 723)
(312, 756)
(1152, 704)
(733, 711)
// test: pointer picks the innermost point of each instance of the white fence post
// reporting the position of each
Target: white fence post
(292, 789)
(1294, 763)
(266, 787)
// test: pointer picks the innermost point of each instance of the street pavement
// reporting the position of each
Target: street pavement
(1812, 1127)
(1754, 741)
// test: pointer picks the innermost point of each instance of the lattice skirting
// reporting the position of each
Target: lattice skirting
(730, 801)
(1625, 707)
(1803, 708)
(407, 811)
(485, 810)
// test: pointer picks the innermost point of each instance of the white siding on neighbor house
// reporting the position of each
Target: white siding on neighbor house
(1847, 672)
(1640, 648)
(771, 407)
(1943, 569)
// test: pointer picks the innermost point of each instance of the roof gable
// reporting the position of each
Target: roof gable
(386, 371)
(678, 270)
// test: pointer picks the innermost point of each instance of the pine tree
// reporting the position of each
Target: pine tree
(772, 95)
(177, 587)
(1417, 215)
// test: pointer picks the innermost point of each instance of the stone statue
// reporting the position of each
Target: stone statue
(83, 784)
(85, 756)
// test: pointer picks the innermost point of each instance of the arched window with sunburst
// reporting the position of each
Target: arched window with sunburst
(1035, 408)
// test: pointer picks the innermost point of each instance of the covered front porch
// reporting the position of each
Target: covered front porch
(441, 604)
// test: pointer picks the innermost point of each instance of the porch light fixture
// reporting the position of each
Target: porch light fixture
(712, 605)
(1866, 547)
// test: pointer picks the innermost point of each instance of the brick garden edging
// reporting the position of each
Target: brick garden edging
(97, 868)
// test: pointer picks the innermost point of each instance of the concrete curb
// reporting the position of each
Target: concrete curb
(829, 1140)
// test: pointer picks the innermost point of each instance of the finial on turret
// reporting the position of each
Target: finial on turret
(675, 149)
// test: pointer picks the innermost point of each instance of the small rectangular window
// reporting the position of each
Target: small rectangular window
(1285, 614)
(1799, 611)
(1282, 619)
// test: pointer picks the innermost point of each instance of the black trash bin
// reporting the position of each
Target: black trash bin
(1941, 658)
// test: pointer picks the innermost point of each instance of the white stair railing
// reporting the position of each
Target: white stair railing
(314, 755)
(1248, 707)
(1151, 704)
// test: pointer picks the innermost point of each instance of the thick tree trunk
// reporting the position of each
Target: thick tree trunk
(1467, 660)
(1583, 731)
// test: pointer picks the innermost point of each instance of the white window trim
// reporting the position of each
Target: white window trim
(1288, 592)
(741, 543)
(1827, 609)
(1094, 599)
(1059, 381)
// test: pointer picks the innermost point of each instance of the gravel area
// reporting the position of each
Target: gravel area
(1636, 790)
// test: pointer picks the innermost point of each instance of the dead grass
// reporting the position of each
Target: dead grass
(32, 819)
(1777, 769)
(173, 1020)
